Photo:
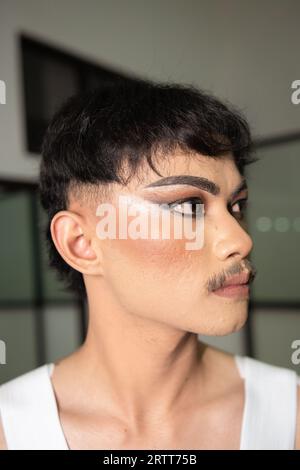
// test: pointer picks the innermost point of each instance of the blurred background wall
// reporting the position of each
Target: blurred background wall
(242, 51)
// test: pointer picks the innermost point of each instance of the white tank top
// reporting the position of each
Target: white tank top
(30, 417)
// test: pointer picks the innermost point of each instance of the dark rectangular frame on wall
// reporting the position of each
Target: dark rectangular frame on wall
(77, 74)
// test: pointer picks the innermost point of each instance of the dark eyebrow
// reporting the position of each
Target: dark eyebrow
(198, 181)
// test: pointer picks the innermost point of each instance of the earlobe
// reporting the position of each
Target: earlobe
(73, 244)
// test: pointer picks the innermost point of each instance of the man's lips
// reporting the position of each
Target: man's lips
(235, 286)
(238, 279)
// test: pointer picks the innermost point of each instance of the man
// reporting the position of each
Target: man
(142, 379)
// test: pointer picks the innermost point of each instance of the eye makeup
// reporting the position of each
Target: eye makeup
(161, 192)
(193, 200)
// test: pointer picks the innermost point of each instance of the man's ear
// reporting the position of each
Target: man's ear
(74, 243)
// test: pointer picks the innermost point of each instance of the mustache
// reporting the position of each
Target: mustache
(217, 280)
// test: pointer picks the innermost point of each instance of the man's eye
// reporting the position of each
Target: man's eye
(239, 208)
(188, 207)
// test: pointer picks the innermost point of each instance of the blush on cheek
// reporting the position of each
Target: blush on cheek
(166, 254)
(159, 252)
(160, 259)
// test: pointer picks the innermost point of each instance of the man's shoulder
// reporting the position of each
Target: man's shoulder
(24, 377)
(284, 380)
(17, 394)
(21, 390)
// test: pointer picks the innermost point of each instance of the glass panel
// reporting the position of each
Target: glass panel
(62, 325)
(273, 334)
(274, 223)
(16, 279)
(17, 330)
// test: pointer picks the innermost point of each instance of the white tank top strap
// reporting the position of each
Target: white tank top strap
(29, 412)
(50, 369)
(270, 412)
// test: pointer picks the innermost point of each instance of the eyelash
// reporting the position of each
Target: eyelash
(239, 215)
(244, 205)
(183, 201)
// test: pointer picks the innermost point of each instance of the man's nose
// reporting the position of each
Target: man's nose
(231, 239)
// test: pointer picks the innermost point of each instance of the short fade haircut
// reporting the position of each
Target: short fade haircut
(95, 133)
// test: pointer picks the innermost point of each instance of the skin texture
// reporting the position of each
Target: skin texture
(150, 383)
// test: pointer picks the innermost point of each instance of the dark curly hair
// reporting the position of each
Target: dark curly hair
(93, 133)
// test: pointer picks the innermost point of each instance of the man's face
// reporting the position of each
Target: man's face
(160, 279)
